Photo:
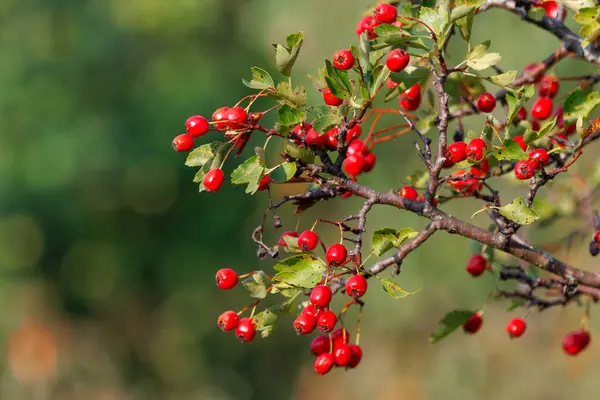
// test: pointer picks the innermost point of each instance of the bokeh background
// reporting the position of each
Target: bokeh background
(108, 253)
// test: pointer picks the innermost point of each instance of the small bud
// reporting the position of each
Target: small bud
(277, 222)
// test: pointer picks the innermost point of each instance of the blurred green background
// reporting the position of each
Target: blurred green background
(108, 253)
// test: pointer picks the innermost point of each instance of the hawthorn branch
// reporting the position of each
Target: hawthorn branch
(362, 221)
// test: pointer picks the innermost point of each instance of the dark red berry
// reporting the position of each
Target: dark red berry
(516, 327)
(183, 142)
(370, 161)
(597, 237)
(327, 321)
(524, 169)
(264, 183)
(353, 133)
(397, 60)
(575, 342)
(228, 321)
(522, 114)
(521, 141)
(356, 286)
(314, 138)
(237, 117)
(292, 234)
(226, 278)
(367, 24)
(353, 164)
(356, 356)
(486, 103)
(357, 147)
(535, 125)
(330, 99)
(343, 59)
(343, 354)
(476, 265)
(320, 296)
(196, 125)
(476, 149)
(308, 240)
(542, 108)
(410, 99)
(213, 179)
(340, 335)
(336, 254)
(324, 363)
(473, 324)
(409, 192)
(305, 324)
(548, 86)
(320, 344)
(385, 13)
(245, 331)
(220, 117)
(539, 158)
(455, 153)
(311, 309)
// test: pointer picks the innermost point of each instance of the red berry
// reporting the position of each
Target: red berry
(320, 345)
(473, 324)
(226, 278)
(522, 114)
(311, 309)
(264, 183)
(548, 86)
(476, 265)
(356, 286)
(332, 141)
(183, 142)
(455, 153)
(336, 254)
(575, 342)
(356, 356)
(521, 141)
(370, 161)
(353, 133)
(343, 59)
(340, 335)
(308, 240)
(228, 321)
(524, 170)
(516, 327)
(305, 324)
(314, 138)
(320, 296)
(397, 60)
(597, 237)
(237, 117)
(390, 84)
(535, 125)
(542, 108)
(353, 164)
(421, 199)
(327, 321)
(410, 99)
(324, 363)
(343, 354)
(292, 234)
(357, 147)
(464, 182)
(213, 179)
(409, 192)
(330, 99)
(245, 330)
(367, 24)
(539, 158)
(385, 13)
(196, 125)
(486, 103)
(553, 10)
(476, 149)
(220, 117)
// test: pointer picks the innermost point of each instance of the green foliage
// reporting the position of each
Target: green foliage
(387, 238)
(285, 56)
(249, 172)
(518, 212)
(260, 79)
(257, 284)
(589, 18)
(299, 271)
(512, 151)
(449, 323)
(580, 104)
(393, 289)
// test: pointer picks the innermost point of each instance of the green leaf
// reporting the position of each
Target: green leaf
(303, 271)
(326, 118)
(518, 212)
(484, 61)
(291, 244)
(337, 81)
(460, 12)
(285, 56)
(425, 124)
(265, 321)
(458, 85)
(283, 172)
(260, 79)
(290, 116)
(511, 151)
(436, 20)
(295, 98)
(249, 172)
(465, 25)
(503, 80)
(580, 104)
(410, 76)
(392, 35)
(516, 100)
(451, 322)
(387, 238)
(546, 128)
(364, 49)
(257, 285)
(203, 154)
(588, 16)
(392, 288)
(381, 77)
(478, 51)
(319, 80)
(296, 152)
(516, 303)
